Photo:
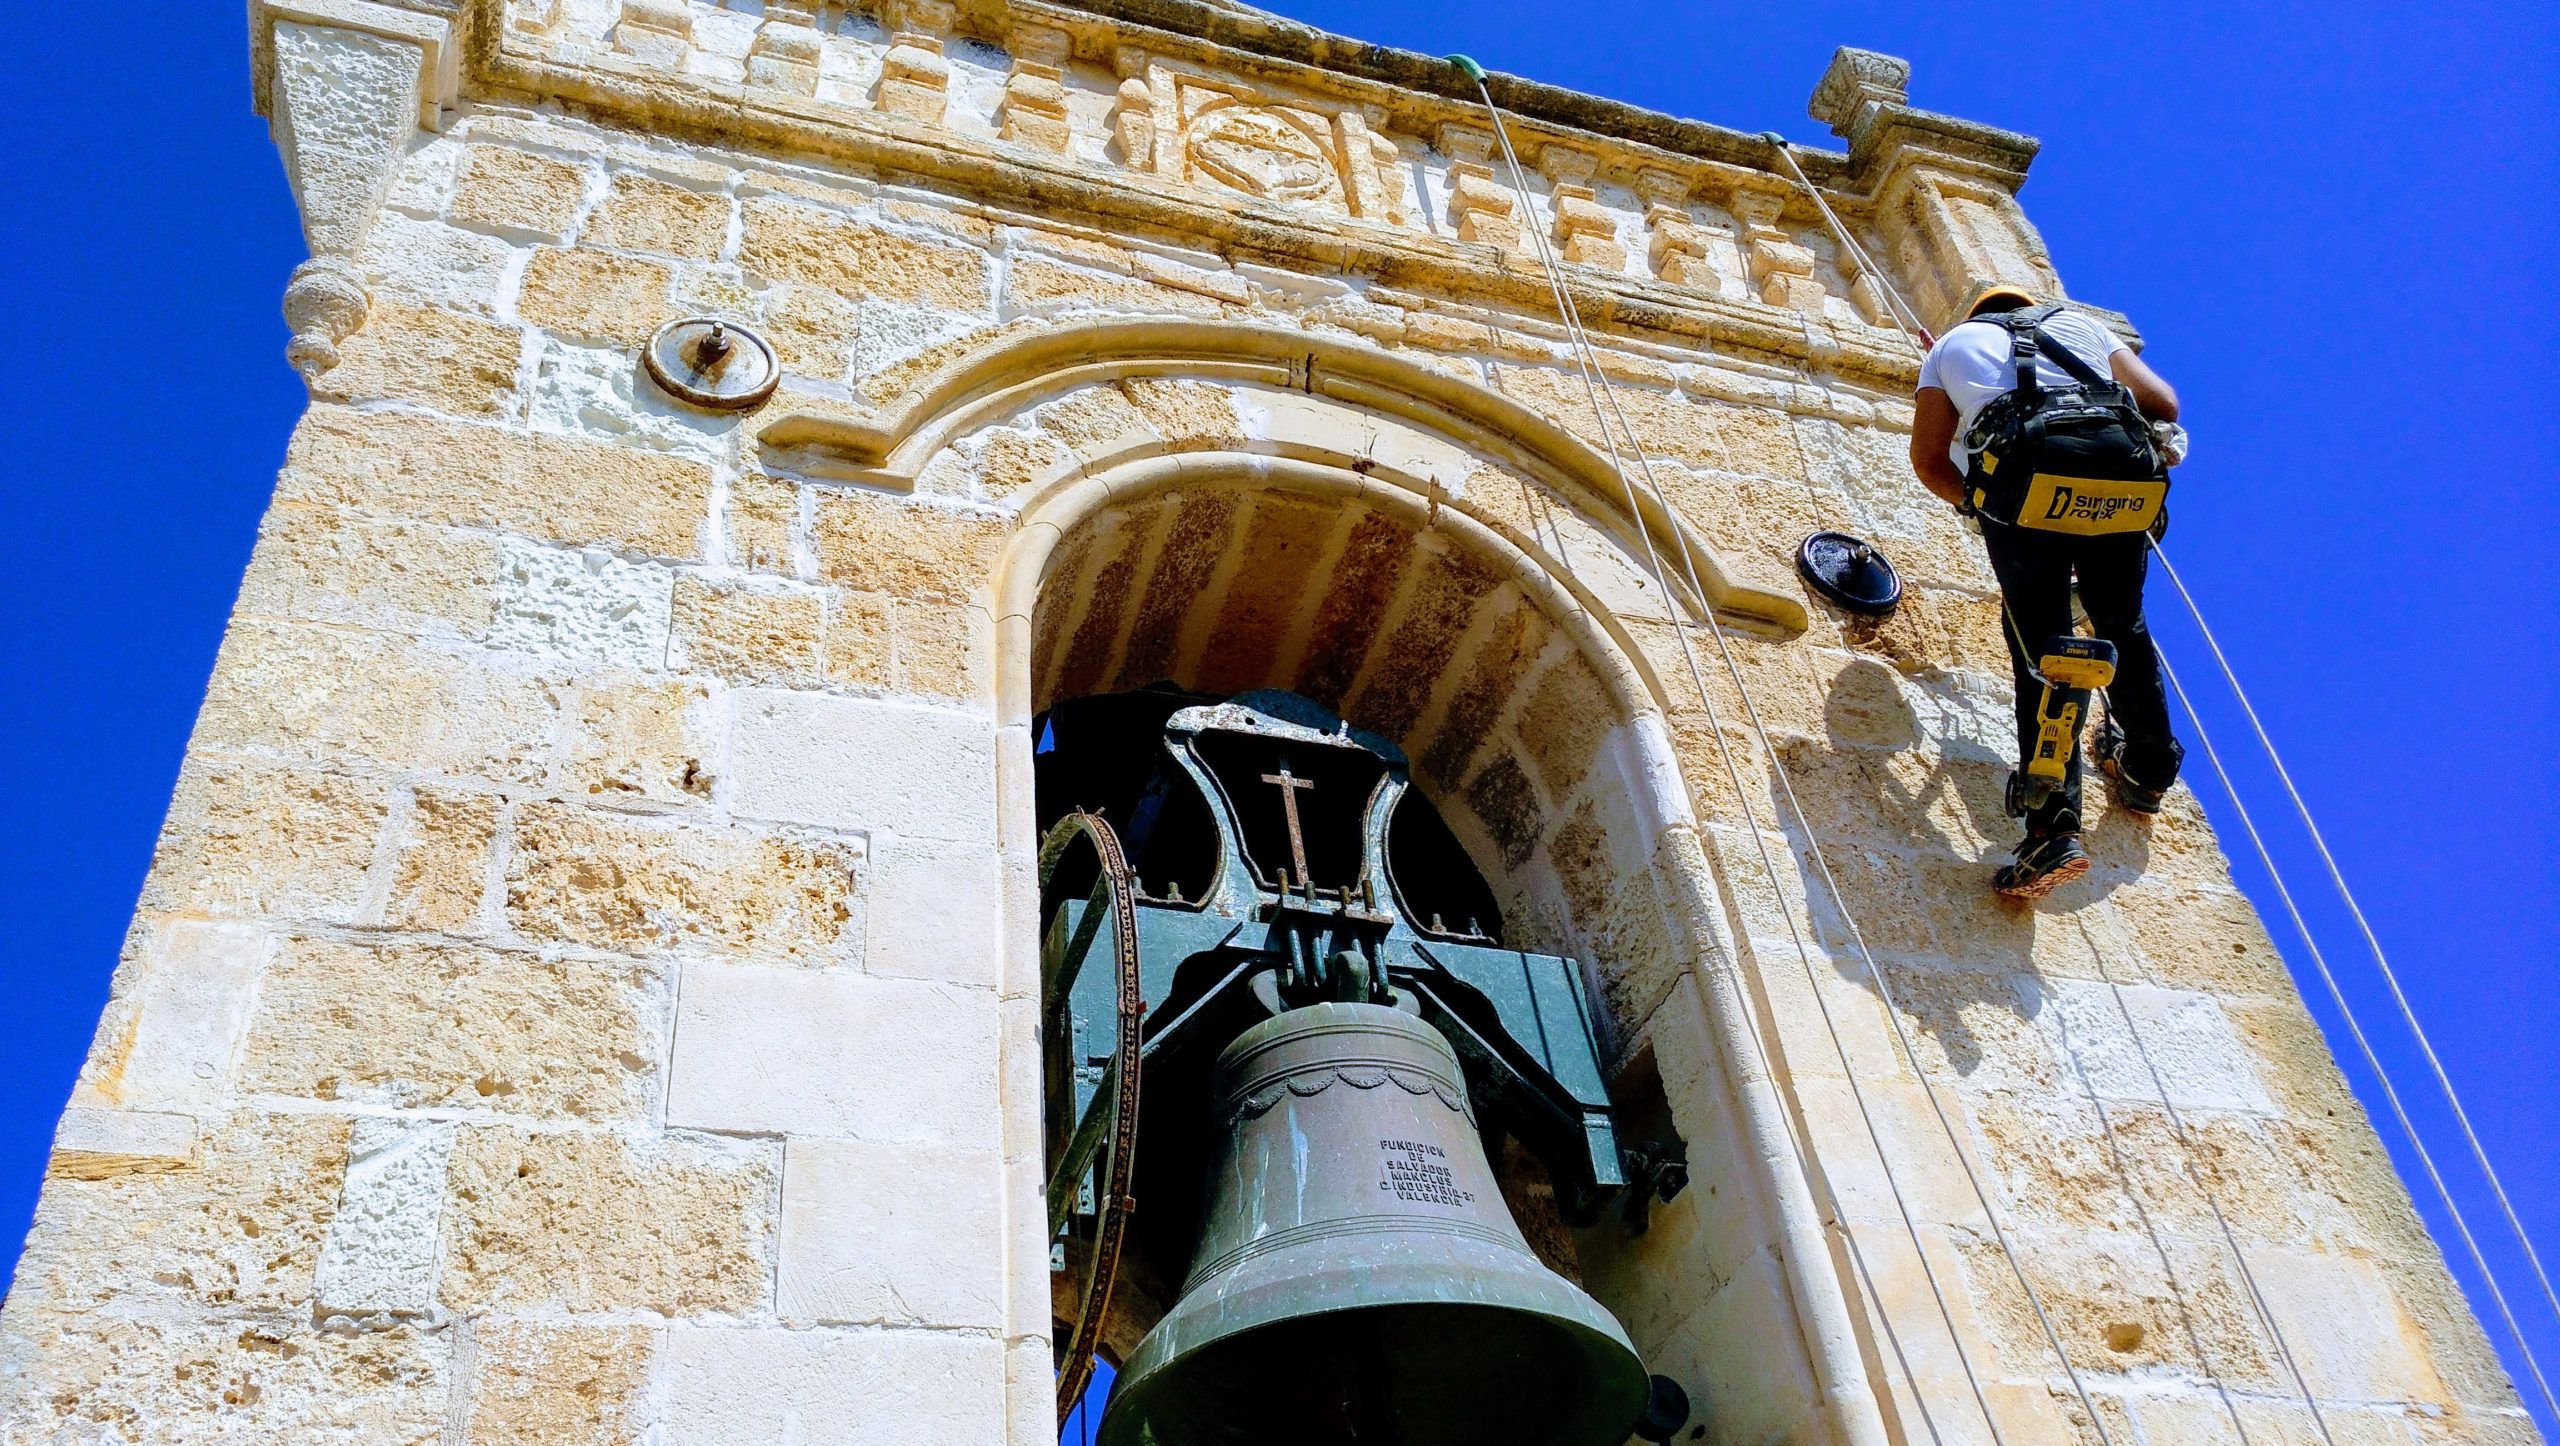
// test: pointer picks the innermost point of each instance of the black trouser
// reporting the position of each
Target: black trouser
(2036, 571)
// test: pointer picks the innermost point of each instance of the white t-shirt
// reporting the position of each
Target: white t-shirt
(1972, 363)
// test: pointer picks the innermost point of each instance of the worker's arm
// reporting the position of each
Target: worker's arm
(1933, 426)
(2151, 394)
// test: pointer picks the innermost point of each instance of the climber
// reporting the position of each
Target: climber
(2080, 502)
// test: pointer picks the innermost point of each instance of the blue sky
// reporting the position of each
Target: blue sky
(2334, 222)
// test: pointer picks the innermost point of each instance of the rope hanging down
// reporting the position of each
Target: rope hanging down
(1904, 311)
(1759, 1045)
(1598, 385)
(2356, 1030)
(1584, 363)
(2338, 878)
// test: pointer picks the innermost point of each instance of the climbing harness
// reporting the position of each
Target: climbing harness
(2078, 459)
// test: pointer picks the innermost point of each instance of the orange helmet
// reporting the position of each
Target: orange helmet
(1999, 293)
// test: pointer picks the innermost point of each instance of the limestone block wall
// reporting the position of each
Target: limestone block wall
(585, 989)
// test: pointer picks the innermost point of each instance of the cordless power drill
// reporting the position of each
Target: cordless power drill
(2071, 666)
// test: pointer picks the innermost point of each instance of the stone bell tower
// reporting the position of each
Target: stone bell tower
(589, 989)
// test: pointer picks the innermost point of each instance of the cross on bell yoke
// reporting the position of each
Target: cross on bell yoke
(1323, 1068)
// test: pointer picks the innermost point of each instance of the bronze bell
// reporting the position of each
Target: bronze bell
(1358, 1277)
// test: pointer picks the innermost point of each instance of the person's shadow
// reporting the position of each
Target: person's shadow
(1912, 834)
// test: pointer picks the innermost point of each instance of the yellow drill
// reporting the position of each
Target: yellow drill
(2071, 666)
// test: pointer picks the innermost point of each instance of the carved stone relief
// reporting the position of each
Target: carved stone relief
(1781, 268)
(1271, 152)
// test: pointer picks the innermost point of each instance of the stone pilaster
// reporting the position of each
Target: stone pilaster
(914, 78)
(1480, 207)
(1945, 191)
(1035, 95)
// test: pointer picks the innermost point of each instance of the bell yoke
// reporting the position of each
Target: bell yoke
(1326, 1057)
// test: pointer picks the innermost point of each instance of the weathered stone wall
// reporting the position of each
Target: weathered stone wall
(584, 990)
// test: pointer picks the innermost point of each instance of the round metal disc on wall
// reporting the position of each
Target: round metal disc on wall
(716, 365)
(1853, 573)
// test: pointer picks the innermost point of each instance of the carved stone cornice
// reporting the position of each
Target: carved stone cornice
(1134, 197)
(1247, 228)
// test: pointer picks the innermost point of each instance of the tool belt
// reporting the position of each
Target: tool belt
(2078, 459)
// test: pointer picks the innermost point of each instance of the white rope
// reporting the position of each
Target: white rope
(2408, 1015)
(1597, 385)
(1894, 299)
(1822, 862)
(1585, 363)
(2187, 1147)
(2355, 1030)
(2142, 1212)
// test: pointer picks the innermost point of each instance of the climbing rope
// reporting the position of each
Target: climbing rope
(2355, 1030)
(2266, 1316)
(1895, 301)
(2338, 878)
(1596, 384)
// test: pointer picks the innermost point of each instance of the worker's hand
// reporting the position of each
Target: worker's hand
(2171, 439)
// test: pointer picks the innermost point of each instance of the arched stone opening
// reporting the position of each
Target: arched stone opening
(1528, 728)
(1456, 574)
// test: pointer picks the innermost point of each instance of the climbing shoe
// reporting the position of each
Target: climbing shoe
(2107, 750)
(2046, 861)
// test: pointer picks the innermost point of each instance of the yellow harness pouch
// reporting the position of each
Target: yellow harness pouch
(2091, 506)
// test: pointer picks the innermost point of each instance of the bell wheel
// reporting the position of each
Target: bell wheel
(1091, 1022)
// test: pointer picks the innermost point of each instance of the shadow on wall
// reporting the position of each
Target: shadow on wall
(1912, 828)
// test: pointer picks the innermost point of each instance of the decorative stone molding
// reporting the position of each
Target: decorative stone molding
(1387, 163)
(1479, 207)
(535, 17)
(324, 303)
(1035, 95)
(1951, 235)
(786, 50)
(655, 32)
(914, 78)
(1584, 230)
(440, 60)
(344, 98)
(1675, 246)
(1866, 292)
(1858, 82)
(1778, 268)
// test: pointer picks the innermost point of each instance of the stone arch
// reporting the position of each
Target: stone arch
(1225, 572)
(1229, 528)
(910, 414)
